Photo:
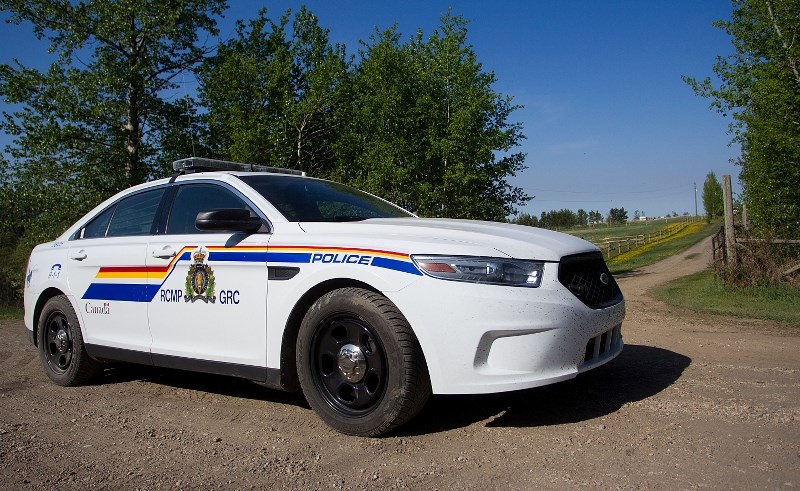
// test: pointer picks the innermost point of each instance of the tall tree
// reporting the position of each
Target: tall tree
(558, 219)
(617, 215)
(245, 88)
(429, 131)
(583, 217)
(273, 93)
(92, 123)
(383, 148)
(712, 196)
(760, 88)
(526, 219)
(471, 138)
(321, 95)
(11, 268)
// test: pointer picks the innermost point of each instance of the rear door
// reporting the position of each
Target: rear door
(211, 303)
(107, 272)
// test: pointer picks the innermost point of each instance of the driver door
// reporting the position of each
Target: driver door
(210, 309)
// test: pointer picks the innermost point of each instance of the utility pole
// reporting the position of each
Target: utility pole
(695, 199)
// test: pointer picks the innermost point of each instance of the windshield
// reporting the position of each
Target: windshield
(315, 200)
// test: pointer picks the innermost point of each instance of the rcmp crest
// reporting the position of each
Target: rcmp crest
(200, 281)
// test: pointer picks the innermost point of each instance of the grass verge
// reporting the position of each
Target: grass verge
(656, 251)
(11, 313)
(703, 292)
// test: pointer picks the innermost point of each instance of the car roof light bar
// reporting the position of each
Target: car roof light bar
(199, 164)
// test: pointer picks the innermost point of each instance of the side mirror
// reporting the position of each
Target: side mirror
(228, 220)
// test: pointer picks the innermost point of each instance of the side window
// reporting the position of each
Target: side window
(98, 226)
(135, 214)
(191, 199)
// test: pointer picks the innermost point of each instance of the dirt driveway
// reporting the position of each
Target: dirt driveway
(694, 401)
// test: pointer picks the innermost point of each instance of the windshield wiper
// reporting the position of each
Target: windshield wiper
(347, 218)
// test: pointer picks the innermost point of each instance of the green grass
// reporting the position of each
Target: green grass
(703, 292)
(597, 233)
(662, 250)
(10, 313)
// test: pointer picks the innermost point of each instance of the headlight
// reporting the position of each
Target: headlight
(490, 270)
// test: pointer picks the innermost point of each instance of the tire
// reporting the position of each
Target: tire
(61, 348)
(360, 366)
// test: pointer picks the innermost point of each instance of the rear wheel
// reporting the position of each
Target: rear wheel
(61, 348)
(359, 363)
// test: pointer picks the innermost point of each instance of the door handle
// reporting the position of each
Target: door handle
(78, 255)
(165, 253)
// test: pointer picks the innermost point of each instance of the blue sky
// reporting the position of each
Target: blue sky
(608, 120)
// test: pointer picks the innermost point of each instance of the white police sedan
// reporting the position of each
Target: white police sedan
(301, 283)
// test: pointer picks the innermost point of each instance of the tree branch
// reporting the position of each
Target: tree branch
(792, 62)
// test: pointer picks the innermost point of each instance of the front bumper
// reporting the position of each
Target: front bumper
(486, 338)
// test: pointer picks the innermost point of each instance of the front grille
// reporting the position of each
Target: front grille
(588, 278)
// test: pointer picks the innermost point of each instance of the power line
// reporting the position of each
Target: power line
(677, 189)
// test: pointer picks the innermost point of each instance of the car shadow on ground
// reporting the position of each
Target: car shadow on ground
(118, 373)
(637, 373)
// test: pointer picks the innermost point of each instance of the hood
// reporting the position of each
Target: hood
(461, 237)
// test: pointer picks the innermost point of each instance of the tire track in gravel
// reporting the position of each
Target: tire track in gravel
(635, 284)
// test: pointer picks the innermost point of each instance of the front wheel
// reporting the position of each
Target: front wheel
(359, 363)
(61, 348)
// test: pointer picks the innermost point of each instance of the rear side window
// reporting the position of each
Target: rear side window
(194, 198)
(98, 226)
(133, 215)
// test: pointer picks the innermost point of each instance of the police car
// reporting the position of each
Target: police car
(305, 284)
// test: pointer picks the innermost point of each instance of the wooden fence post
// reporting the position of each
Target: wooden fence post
(744, 216)
(730, 235)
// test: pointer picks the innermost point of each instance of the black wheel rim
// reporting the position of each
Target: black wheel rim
(58, 347)
(356, 389)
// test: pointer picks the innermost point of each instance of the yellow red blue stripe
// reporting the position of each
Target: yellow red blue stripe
(112, 284)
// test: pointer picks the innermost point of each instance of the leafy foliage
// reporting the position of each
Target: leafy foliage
(94, 121)
(617, 215)
(417, 123)
(760, 88)
(558, 219)
(583, 217)
(273, 97)
(712, 197)
(428, 131)
(526, 219)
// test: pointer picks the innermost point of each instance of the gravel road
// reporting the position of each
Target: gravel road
(694, 401)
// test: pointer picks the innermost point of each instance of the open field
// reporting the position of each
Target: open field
(598, 233)
(661, 248)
